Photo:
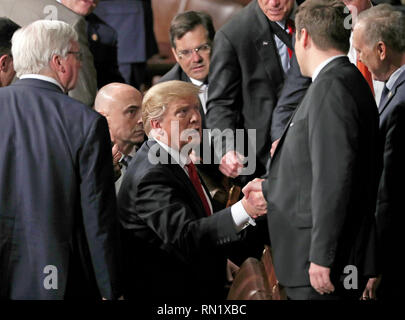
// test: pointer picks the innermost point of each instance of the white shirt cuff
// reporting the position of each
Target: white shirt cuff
(240, 217)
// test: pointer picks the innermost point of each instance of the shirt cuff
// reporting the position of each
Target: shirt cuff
(240, 217)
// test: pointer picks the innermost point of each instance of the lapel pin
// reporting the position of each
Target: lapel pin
(265, 43)
(94, 37)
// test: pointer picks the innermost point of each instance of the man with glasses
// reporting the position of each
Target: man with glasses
(58, 220)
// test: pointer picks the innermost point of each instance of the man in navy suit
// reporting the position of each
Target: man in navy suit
(379, 41)
(58, 221)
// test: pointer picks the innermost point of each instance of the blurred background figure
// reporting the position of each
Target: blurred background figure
(7, 73)
(133, 22)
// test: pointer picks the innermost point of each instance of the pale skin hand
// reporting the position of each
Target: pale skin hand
(254, 202)
(371, 288)
(116, 154)
(320, 279)
(231, 164)
(273, 147)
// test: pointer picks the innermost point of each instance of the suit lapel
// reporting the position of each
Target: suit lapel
(182, 176)
(392, 93)
(266, 48)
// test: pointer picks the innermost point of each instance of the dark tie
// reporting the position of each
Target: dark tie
(192, 172)
(384, 96)
(125, 161)
(366, 74)
(290, 29)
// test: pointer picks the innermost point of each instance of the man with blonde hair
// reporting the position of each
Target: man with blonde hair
(57, 201)
(166, 211)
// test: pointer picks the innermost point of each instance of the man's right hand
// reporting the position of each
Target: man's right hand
(254, 202)
(231, 164)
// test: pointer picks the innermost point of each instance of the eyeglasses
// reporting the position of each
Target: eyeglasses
(78, 54)
(204, 48)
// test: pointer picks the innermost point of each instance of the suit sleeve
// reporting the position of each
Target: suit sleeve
(160, 204)
(99, 207)
(224, 91)
(294, 89)
(333, 144)
(390, 205)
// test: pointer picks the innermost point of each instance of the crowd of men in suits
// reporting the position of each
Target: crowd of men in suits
(111, 199)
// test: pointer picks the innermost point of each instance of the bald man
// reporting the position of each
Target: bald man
(121, 105)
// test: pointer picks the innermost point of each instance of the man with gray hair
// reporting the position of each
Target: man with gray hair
(57, 201)
(380, 43)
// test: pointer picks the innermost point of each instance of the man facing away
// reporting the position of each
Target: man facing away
(57, 202)
(379, 41)
(322, 183)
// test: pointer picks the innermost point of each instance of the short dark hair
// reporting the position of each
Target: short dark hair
(326, 23)
(7, 29)
(187, 21)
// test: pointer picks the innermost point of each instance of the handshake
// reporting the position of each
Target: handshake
(253, 201)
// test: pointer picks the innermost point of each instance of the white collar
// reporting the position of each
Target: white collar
(198, 83)
(179, 157)
(42, 77)
(394, 77)
(323, 65)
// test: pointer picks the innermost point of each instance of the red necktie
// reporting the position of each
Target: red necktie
(289, 24)
(192, 172)
(366, 74)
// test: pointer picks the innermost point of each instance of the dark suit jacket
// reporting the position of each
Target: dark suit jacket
(57, 199)
(245, 79)
(175, 252)
(103, 46)
(390, 204)
(133, 22)
(323, 178)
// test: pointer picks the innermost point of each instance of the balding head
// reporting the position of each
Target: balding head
(121, 105)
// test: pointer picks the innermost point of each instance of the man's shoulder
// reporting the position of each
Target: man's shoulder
(175, 73)
(240, 23)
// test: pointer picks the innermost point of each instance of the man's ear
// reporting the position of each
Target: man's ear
(155, 124)
(175, 54)
(57, 63)
(4, 62)
(381, 50)
(305, 37)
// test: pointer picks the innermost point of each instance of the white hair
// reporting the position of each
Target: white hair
(34, 45)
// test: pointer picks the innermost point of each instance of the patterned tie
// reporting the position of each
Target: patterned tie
(126, 160)
(290, 28)
(192, 172)
(366, 74)
(384, 95)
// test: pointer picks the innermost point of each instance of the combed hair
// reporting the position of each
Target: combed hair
(325, 22)
(384, 23)
(34, 45)
(158, 97)
(186, 21)
(7, 29)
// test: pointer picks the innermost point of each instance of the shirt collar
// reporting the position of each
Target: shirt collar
(198, 83)
(179, 157)
(394, 77)
(42, 77)
(323, 65)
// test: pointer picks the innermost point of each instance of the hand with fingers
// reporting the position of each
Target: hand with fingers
(231, 164)
(320, 279)
(369, 292)
(254, 202)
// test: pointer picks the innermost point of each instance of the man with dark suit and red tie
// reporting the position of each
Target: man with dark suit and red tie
(379, 41)
(175, 244)
(251, 55)
(59, 228)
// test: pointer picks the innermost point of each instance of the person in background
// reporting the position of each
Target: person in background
(7, 72)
